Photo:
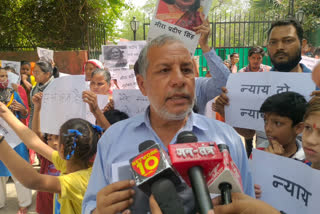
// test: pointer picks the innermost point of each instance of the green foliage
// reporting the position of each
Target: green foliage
(57, 24)
(311, 9)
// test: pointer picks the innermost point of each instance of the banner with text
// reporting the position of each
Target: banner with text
(130, 101)
(247, 91)
(179, 19)
(287, 184)
(61, 101)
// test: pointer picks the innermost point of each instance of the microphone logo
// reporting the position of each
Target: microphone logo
(146, 164)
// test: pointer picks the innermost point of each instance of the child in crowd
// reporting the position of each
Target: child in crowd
(311, 133)
(44, 202)
(283, 116)
(77, 145)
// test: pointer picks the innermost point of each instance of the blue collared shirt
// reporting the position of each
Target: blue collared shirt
(209, 88)
(120, 143)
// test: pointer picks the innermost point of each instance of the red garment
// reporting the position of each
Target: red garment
(23, 95)
(44, 203)
(173, 15)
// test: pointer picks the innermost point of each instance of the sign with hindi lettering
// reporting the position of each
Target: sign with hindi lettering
(179, 19)
(130, 101)
(45, 54)
(10, 136)
(247, 91)
(120, 59)
(61, 101)
(287, 184)
(309, 62)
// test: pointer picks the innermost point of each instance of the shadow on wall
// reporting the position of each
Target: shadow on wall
(70, 62)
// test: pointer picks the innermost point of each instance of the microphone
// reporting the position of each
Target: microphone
(153, 173)
(225, 177)
(194, 161)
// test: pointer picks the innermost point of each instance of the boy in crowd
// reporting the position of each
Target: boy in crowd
(283, 116)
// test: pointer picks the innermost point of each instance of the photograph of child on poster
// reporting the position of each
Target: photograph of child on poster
(183, 13)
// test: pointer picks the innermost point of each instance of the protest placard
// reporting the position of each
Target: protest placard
(10, 136)
(130, 101)
(247, 91)
(13, 79)
(287, 184)
(309, 62)
(179, 19)
(102, 102)
(45, 54)
(61, 101)
(12, 64)
(120, 59)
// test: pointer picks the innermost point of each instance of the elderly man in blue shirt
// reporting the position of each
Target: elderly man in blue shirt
(167, 77)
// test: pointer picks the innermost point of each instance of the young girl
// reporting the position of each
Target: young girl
(77, 145)
(311, 133)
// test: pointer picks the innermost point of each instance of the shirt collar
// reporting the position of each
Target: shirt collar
(193, 121)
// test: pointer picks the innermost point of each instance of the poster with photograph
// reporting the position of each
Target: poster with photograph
(45, 54)
(178, 18)
(12, 64)
(115, 56)
(121, 68)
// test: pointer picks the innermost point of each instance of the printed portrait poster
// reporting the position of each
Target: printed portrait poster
(45, 54)
(115, 56)
(178, 18)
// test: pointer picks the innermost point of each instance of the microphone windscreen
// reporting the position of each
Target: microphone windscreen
(186, 137)
(167, 197)
(146, 144)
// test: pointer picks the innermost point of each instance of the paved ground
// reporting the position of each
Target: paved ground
(12, 202)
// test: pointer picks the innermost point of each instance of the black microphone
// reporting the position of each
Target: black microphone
(195, 173)
(154, 174)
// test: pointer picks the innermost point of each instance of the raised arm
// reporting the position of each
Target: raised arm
(36, 99)
(25, 173)
(31, 140)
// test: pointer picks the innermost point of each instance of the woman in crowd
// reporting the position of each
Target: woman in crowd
(90, 66)
(12, 100)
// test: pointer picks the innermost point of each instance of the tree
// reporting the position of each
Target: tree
(311, 9)
(57, 24)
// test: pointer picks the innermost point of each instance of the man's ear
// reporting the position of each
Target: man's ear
(299, 128)
(141, 84)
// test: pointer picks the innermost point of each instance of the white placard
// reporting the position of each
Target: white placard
(309, 62)
(103, 100)
(10, 136)
(131, 101)
(120, 60)
(61, 101)
(45, 54)
(125, 78)
(13, 64)
(247, 91)
(170, 19)
(287, 184)
(13, 79)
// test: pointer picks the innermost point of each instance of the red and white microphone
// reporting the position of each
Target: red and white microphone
(225, 177)
(194, 161)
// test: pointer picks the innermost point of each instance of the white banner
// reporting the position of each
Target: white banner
(247, 91)
(61, 101)
(10, 136)
(45, 54)
(132, 102)
(287, 184)
(178, 20)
